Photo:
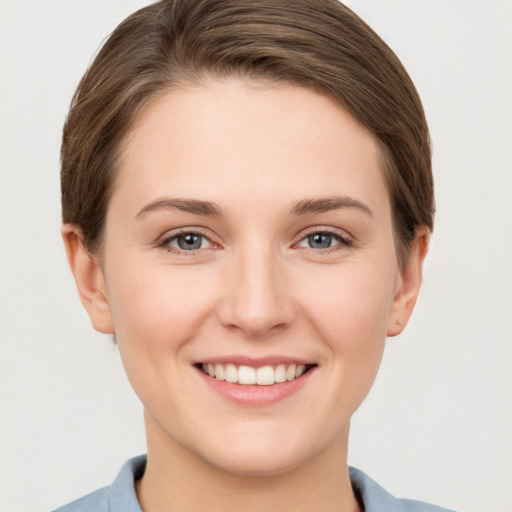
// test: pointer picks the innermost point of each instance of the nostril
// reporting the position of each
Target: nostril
(257, 304)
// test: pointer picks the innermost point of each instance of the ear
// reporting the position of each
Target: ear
(89, 279)
(408, 284)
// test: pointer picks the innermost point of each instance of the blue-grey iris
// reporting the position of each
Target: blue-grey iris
(190, 241)
(320, 241)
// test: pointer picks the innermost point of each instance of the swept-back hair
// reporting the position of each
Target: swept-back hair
(321, 45)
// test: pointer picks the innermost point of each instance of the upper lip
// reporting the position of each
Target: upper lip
(255, 362)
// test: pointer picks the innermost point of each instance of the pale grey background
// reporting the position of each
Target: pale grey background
(438, 423)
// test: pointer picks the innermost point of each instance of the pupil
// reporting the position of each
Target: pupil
(189, 242)
(320, 241)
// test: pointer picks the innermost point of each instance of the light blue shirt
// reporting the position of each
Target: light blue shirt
(121, 496)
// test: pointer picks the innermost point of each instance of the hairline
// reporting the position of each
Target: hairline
(194, 79)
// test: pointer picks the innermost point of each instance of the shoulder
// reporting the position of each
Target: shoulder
(97, 501)
(118, 497)
(376, 499)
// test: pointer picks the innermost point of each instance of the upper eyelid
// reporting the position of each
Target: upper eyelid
(341, 233)
(345, 240)
(173, 234)
(165, 242)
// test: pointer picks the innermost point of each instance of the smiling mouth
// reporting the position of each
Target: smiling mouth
(247, 375)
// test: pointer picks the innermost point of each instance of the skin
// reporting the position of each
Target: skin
(255, 287)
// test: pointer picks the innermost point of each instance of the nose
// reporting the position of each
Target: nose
(256, 298)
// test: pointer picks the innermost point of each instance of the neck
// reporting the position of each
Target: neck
(177, 479)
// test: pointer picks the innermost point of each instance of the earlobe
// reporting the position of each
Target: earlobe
(409, 283)
(89, 279)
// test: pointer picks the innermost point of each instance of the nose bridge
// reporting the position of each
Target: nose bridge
(256, 300)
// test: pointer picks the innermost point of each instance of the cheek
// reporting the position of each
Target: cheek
(351, 302)
(350, 313)
(157, 310)
(158, 307)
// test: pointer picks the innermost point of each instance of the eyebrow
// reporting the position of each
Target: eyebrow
(325, 204)
(185, 205)
(209, 209)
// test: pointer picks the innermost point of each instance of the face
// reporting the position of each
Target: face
(249, 272)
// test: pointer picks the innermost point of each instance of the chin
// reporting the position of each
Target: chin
(251, 464)
(262, 455)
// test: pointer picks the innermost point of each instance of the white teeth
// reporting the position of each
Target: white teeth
(231, 373)
(301, 368)
(247, 375)
(280, 373)
(265, 376)
(219, 372)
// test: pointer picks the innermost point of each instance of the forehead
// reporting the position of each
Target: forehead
(236, 138)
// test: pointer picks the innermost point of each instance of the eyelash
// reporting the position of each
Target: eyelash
(165, 243)
(344, 241)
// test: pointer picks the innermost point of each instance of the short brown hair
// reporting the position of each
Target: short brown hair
(321, 45)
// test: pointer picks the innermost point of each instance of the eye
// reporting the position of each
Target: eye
(187, 242)
(323, 240)
(320, 241)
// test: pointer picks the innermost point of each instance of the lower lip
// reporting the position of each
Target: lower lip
(253, 395)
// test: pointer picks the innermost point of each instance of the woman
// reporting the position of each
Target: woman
(247, 200)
